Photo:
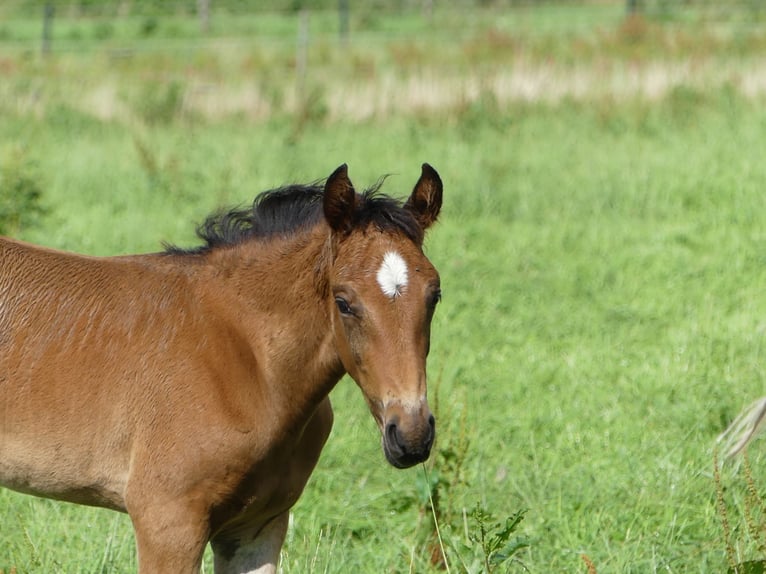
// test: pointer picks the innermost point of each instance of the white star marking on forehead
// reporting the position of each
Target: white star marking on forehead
(392, 275)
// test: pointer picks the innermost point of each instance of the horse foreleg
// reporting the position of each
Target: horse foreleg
(169, 539)
(254, 552)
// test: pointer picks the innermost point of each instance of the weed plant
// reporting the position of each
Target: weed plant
(745, 535)
(21, 191)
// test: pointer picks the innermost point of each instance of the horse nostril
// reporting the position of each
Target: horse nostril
(432, 433)
(391, 435)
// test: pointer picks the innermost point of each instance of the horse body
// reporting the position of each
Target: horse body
(189, 389)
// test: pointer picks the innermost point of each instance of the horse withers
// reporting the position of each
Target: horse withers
(189, 388)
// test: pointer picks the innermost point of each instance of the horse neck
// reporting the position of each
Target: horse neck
(276, 294)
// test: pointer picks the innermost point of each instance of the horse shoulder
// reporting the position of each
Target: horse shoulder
(275, 483)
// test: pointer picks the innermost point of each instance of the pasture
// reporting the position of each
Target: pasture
(602, 249)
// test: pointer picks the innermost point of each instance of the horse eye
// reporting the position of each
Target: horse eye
(437, 297)
(343, 306)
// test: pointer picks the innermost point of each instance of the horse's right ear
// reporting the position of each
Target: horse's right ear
(339, 200)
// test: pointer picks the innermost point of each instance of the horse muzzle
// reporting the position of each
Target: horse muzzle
(408, 442)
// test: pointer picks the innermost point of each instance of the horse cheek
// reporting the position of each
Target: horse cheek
(348, 339)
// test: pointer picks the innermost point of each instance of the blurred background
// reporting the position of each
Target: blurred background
(602, 250)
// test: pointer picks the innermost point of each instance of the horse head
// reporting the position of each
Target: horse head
(383, 292)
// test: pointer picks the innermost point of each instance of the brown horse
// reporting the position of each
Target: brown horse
(189, 388)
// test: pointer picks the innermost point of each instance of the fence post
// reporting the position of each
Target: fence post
(203, 10)
(344, 18)
(301, 57)
(48, 12)
(428, 10)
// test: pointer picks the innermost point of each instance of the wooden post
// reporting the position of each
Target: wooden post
(343, 13)
(301, 57)
(203, 11)
(48, 12)
(428, 10)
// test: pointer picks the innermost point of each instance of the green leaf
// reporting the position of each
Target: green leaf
(502, 532)
(749, 567)
(518, 543)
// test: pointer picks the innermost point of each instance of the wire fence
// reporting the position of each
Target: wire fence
(208, 8)
(146, 25)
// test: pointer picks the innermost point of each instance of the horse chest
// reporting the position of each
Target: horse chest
(273, 483)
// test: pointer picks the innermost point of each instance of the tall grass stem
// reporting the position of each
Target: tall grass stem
(436, 520)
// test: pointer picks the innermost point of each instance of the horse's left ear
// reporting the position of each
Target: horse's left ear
(426, 199)
(339, 200)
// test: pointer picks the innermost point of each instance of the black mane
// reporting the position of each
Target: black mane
(287, 210)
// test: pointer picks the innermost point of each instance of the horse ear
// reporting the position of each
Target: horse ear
(339, 200)
(426, 199)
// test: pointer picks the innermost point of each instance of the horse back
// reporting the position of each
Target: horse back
(79, 337)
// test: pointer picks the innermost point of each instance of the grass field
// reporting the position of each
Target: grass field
(602, 252)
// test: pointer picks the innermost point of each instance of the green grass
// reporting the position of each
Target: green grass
(603, 263)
